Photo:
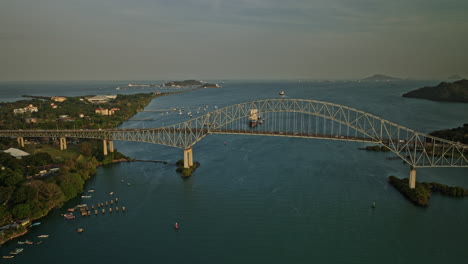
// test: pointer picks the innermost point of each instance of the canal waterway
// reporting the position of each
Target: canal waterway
(261, 199)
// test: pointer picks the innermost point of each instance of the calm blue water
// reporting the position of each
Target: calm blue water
(261, 199)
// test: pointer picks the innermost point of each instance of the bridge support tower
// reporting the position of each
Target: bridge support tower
(188, 158)
(111, 145)
(63, 143)
(412, 178)
(104, 146)
(20, 141)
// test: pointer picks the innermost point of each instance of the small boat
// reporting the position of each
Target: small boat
(281, 93)
(21, 242)
(27, 242)
(81, 205)
(176, 226)
(111, 193)
(17, 251)
(8, 257)
(128, 183)
(43, 236)
(69, 216)
(79, 230)
(86, 196)
(36, 224)
(40, 242)
(91, 191)
(71, 209)
(373, 204)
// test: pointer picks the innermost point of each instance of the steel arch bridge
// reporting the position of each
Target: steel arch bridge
(286, 118)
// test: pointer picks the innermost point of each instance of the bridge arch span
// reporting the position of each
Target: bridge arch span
(288, 118)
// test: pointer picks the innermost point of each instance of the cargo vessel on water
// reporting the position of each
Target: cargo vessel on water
(253, 118)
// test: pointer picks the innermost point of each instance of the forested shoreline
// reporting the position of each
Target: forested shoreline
(27, 194)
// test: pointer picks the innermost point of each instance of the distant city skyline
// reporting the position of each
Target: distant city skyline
(235, 39)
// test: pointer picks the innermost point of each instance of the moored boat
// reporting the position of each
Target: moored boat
(86, 196)
(8, 257)
(17, 251)
(43, 236)
(281, 93)
(36, 224)
(69, 216)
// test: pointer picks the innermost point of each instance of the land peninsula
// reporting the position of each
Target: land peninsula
(421, 195)
(46, 177)
(448, 92)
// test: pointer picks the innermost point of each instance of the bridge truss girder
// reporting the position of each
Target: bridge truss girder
(287, 118)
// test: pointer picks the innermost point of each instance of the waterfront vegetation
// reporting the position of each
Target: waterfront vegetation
(26, 193)
(28, 188)
(422, 193)
(73, 113)
(186, 172)
(377, 148)
(459, 134)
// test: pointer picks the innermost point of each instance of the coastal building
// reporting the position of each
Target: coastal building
(81, 115)
(105, 111)
(28, 109)
(24, 222)
(101, 98)
(17, 153)
(102, 111)
(30, 120)
(58, 98)
(112, 111)
(54, 106)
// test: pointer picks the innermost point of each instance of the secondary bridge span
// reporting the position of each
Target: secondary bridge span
(284, 118)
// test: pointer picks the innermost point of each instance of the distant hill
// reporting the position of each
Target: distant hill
(455, 77)
(450, 92)
(459, 134)
(381, 77)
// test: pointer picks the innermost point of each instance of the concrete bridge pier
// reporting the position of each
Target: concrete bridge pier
(63, 143)
(104, 146)
(111, 145)
(412, 178)
(20, 141)
(188, 158)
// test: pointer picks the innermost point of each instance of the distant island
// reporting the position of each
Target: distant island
(381, 77)
(210, 85)
(449, 92)
(184, 83)
(191, 83)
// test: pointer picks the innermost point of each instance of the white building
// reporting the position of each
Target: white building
(17, 153)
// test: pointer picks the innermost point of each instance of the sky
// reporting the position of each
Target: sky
(232, 39)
